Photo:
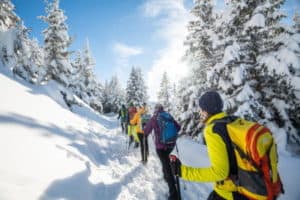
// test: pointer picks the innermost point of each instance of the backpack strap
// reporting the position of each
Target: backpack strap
(221, 129)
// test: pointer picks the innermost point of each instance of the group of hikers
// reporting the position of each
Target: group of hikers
(243, 155)
(133, 120)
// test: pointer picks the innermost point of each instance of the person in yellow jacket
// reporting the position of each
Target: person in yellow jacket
(211, 106)
(137, 120)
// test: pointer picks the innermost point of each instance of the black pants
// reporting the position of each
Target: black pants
(124, 126)
(144, 146)
(236, 196)
(167, 172)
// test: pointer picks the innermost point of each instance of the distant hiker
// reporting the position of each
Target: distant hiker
(139, 120)
(238, 174)
(145, 117)
(163, 148)
(123, 118)
(131, 128)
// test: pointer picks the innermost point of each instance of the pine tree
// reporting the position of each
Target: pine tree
(88, 64)
(56, 43)
(141, 90)
(187, 109)
(8, 19)
(252, 77)
(8, 29)
(202, 56)
(174, 100)
(114, 96)
(136, 90)
(164, 94)
(296, 20)
(18, 52)
(276, 71)
(234, 75)
(29, 56)
(83, 81)
(200, 50)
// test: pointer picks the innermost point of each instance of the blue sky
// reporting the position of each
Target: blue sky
(123, 33)
(106, 23)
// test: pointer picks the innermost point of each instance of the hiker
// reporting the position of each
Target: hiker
(123, 118)
(224, 156)
(131, 128)
(163, 150)
(145, 117)
(138, 121)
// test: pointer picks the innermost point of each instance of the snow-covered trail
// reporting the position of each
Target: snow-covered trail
(49, 152)
(112, 172)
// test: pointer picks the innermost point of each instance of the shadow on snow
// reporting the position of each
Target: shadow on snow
(87, 145)
(78, 187)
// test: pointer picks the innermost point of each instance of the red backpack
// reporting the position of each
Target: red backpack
(131, 112)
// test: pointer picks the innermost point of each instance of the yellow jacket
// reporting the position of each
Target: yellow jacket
(220, 167)
(137, 120)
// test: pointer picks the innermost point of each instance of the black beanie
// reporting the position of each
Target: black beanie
(211, 102)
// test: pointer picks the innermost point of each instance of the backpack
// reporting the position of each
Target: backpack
(167, 127)
(144, 119)
(123, 114)
(256, 159)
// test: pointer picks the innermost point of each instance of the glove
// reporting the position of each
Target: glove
(175, 165)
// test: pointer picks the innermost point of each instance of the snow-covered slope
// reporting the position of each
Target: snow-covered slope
(49, 152)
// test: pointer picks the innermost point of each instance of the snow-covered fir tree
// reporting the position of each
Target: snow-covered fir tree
(141, 86)
(83, 81)
(56, 43)
(187, 110)
(200, 54)
(296, 20)
(174, 100)
(8, 33)
(93, 87)
(30, 57)
(77, 76)
(136, 90)
(295, 44)
(235, 76)
(247, 77)
(277, 64)
(164, 94)
(8, 18)
(248, 40)
(18, 52)
(199, 41)
(114, 95)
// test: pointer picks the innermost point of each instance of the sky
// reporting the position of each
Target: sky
(125, 33)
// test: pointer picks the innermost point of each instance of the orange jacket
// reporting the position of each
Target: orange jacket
(137, 120)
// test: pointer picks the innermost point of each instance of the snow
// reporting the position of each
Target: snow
(49, 152)
(257, 20)
(231, 53)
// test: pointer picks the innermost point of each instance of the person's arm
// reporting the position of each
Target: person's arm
(178, 127)
(135, 119)
(219, 169)
(149, 126)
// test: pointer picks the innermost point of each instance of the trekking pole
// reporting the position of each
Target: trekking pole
(144, 148)
(177, 178)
